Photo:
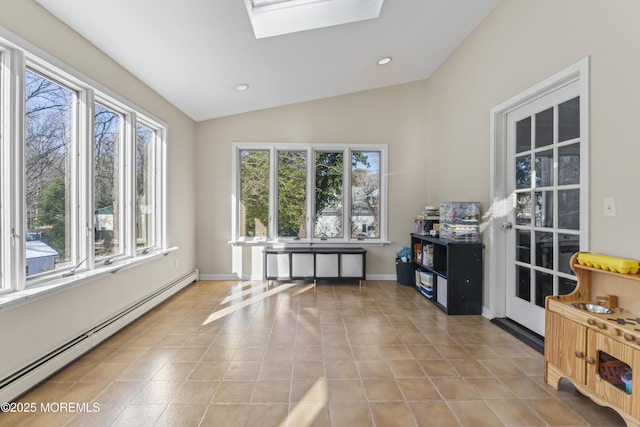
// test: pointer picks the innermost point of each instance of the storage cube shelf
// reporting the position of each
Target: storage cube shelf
(456, 287)
(314, 263)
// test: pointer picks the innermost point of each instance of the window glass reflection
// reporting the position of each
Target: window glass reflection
(569, 209)
(544, 249)
(569, 164)
(569, 120)
(544, 128)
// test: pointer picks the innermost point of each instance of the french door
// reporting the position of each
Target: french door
(546, 174)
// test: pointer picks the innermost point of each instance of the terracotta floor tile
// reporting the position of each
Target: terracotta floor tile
(470, 368)
(271, 391)
(433, 413)
(405, 368)
(181, 415)
(308, 370)
(514, 412)
(234, 392)
(391, 414)
(157, 392)
(354, 414)
(341, 369)
(273, 414)
(139, 415)
(194, 392)
(309, 414)
(474, 413)
(556, 413)
(438, 368)
(418, 389)
(225, 415)
(309, 389)
(373, 369)
(490, 388)
(334, 355)
(345, 390)
(454, 389)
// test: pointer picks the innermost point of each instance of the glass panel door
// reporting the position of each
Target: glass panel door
(544, 179)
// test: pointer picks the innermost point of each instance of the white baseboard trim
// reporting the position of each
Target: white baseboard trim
(246, 277)
(19, 382)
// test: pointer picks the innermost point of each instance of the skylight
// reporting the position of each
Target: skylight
(277, 17)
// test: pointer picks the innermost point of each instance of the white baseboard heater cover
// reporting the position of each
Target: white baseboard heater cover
(24, 379)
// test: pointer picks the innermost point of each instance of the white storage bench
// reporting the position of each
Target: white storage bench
(315, 264)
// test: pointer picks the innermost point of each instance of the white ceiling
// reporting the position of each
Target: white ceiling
(193, 52)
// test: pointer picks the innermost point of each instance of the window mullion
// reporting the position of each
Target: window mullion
(272, 232)
(84, 187)
(17, 181)
(130, 160)
(346, 195)
(310, 193)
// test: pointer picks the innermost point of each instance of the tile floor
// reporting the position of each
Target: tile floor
(243, 354)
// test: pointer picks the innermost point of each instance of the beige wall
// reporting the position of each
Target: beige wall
(30, 330)
(520, 44)
(395, 116)
(438, 129)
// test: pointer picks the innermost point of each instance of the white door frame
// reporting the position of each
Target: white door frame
(498, 197)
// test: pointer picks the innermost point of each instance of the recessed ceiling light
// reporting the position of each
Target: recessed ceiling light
(384, 61)
(241, 87)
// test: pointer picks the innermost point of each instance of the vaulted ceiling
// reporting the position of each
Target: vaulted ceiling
(194, 52)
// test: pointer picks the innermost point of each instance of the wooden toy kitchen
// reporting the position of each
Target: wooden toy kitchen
(592, 335)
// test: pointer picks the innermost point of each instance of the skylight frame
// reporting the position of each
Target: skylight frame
(278, 17)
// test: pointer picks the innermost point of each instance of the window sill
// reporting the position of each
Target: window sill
(306, 244)
(12, 299)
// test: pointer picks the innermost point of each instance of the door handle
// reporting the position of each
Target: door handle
(506, 225)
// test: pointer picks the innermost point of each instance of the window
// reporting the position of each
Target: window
(146, 203)
(292, 194)
(108, 205)
(82, 187)
(365, 194)
(50, 120)
(254, 193)
(301, 193)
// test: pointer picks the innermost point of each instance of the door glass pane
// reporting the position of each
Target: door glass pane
(523, 283)
(544, 168)
(145, 186)
(544, 249)
(544, 287)
(569, 164)
(106, 181)
(544, 208)
(568, 244)
(566, 286)
(523, 208)
(328, 194)
(523, 172)
(254, 193)
(569, 209)
(49, 127)
(365, 192)
(523, 244)
(544, 128)
(569, 120)
(523, 135)
(292, 193)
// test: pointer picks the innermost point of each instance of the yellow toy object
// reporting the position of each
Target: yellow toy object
(604, 262)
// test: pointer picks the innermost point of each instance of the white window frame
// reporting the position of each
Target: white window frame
(310, 149)
(16, 56)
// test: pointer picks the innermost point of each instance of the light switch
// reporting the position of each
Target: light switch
(610, 206)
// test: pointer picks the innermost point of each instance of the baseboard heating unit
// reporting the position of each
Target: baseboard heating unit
(22, 380)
